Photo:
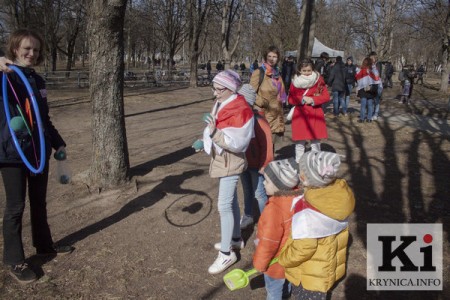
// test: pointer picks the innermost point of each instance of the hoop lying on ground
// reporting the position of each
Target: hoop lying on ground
(41, 162)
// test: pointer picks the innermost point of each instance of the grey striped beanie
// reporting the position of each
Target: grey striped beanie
(283, 173)
(248, 92)
(319, 167)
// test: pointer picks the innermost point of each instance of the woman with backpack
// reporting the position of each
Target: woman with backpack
(350, 72)
(270, 93)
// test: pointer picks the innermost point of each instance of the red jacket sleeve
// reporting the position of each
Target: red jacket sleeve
(264, 140)
(295, 95)
(319, 93)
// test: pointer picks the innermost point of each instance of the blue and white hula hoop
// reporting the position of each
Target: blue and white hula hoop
(38, 120)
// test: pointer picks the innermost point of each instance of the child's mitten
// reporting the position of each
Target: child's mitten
(198, 145)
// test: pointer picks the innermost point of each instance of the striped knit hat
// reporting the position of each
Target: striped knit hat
(228, 79)
(248, 92)
(283, 173)
(319, 168)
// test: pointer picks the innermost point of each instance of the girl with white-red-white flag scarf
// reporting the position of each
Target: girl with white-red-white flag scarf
(226, 138)
(368, 81)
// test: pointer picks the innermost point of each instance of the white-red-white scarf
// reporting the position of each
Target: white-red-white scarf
(308, 222)
(234, 118)
(365, 77)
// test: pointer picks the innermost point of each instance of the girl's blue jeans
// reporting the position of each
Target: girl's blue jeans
(366, 102)
(229, 212)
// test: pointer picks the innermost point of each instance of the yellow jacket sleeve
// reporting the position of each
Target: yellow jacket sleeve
(295, 252)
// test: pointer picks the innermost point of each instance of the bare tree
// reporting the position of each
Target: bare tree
(440, 19)
(44, 15)
(285, 15)
(432, 24)
(19, 12)
(170, 18)
(110, 161)
(373, 23)
(231, 10)
(73, 19)
(198, 22)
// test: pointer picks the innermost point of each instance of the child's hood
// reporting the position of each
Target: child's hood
(294, 192)
(335, 200)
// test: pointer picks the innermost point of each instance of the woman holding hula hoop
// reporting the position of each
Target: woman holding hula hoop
(22, 142)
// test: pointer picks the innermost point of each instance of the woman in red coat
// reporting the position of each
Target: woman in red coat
(308, 92)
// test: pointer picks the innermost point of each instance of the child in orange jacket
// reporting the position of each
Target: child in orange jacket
(274, 226)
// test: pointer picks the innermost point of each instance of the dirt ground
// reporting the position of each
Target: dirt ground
(153, 238)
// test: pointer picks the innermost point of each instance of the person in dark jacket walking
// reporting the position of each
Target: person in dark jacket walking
(288, 70)
(322, 65)
(350, 72)
(24, 50)
(420, 71)
(338, 86)
(208, 68)
(219, 66)
(389, 71)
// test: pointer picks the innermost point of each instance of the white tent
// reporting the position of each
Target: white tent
(318, 48)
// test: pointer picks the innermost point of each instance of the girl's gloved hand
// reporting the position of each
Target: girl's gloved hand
(206, 117)
(211, 121)
(198, 145)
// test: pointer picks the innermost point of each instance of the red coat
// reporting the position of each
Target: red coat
(308, 122)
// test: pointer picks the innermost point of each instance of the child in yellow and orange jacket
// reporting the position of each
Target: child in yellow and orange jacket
(314, 257)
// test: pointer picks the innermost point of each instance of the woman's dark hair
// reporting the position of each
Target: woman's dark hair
(366, 63)
(304, 63)
(16, 38)
(324, 55)
(272, 49)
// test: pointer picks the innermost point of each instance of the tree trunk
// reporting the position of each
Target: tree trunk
(197, 27)
(445, 54)
(70, 53)
(444, 72)
(306, 23)
(110, 161)
(312, 29)
(54, 56)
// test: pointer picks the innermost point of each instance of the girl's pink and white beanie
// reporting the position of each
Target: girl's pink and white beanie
(228, 79)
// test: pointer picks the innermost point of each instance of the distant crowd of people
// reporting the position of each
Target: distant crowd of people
(340, 78)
